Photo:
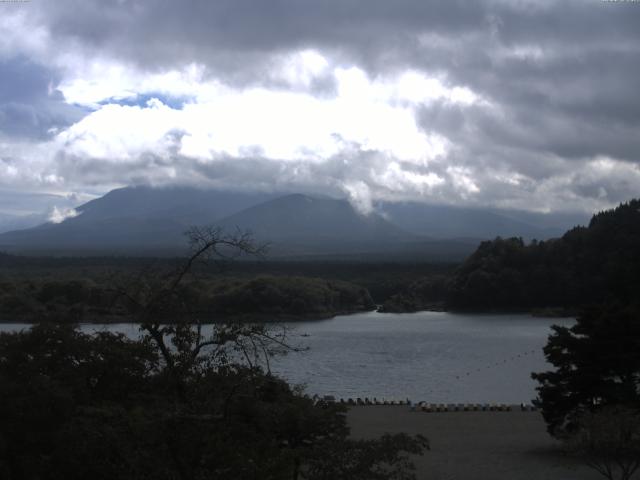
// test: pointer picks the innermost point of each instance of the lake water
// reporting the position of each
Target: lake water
(433, 356)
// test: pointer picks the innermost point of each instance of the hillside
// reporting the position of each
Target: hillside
(186, 204)
(586, 265)
(10, 222)
(445, 221)
(151, 222)
(304, 224)
(146, 221)
(131, 220)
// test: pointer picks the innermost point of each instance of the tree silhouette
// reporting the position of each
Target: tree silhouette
(597, 363)
(175, 403)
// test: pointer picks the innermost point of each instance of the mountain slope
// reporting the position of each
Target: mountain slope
(145, 220)
(14, 222)
(587, 264)
(322, 223)
(133, 218)
(183, 204)
(443, 221)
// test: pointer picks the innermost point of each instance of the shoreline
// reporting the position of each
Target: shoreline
(538, 312)
(293, 318)
(224, 318)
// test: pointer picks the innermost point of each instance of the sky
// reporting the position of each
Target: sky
(517, 104)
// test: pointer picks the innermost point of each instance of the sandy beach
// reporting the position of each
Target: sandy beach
(475, 445)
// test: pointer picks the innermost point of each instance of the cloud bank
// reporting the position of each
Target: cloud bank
(522, 104)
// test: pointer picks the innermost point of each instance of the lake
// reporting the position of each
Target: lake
(438, 357)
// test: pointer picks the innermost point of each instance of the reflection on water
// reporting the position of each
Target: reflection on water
(432, 356)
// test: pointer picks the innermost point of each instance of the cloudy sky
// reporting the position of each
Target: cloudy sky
(527, 104)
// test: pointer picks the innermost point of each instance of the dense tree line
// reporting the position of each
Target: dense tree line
(79, 289)
(381, 277)
(275, 296)
(264, 297)
(586, 265)
(428, 293)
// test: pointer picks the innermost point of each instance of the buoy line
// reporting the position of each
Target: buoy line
(496, 364)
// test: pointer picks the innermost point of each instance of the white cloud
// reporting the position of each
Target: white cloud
(116, 133)
(360, 196)
(396, 179)
(274, 124)
(511, 112)
(462, 178)
(59, 215)
(21, 35)
(299, 69)
(102, 79)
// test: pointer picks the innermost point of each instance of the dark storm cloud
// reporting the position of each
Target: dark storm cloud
(160, 31)
(556, 82)
(581, 70)
(157, 32)
(30, 105)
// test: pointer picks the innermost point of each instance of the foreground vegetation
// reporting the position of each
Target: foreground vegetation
(591, 399)
(173, 404)
(104, 406)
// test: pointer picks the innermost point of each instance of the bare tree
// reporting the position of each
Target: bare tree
(161, 303)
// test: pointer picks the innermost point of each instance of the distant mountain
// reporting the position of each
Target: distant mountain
(147, 220)
(132, 220)
(16, 222)
(151, 221)
(443, 221)
(301, 223)
(185, 205)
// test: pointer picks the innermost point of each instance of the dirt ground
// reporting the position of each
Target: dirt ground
(475, 445)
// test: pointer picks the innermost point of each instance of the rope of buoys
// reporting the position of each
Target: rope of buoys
(498, 363)
(433, 407)
(472, 407)
(359, 401)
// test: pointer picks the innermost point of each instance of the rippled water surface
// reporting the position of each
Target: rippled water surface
(432, 356)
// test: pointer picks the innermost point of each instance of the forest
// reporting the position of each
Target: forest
(593, 264)
(85, 289)
(174, 403)
(265, 298)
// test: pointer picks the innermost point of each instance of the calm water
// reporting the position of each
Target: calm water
(432, 356)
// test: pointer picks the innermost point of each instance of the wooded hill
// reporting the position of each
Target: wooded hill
(265, 298)
(586, 265)
(593, 264)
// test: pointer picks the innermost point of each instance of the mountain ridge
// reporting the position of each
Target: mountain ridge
(151, 220)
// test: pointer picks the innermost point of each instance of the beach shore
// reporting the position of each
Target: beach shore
(475, 445)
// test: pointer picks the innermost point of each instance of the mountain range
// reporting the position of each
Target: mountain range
(152, 221)
(10, 222)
